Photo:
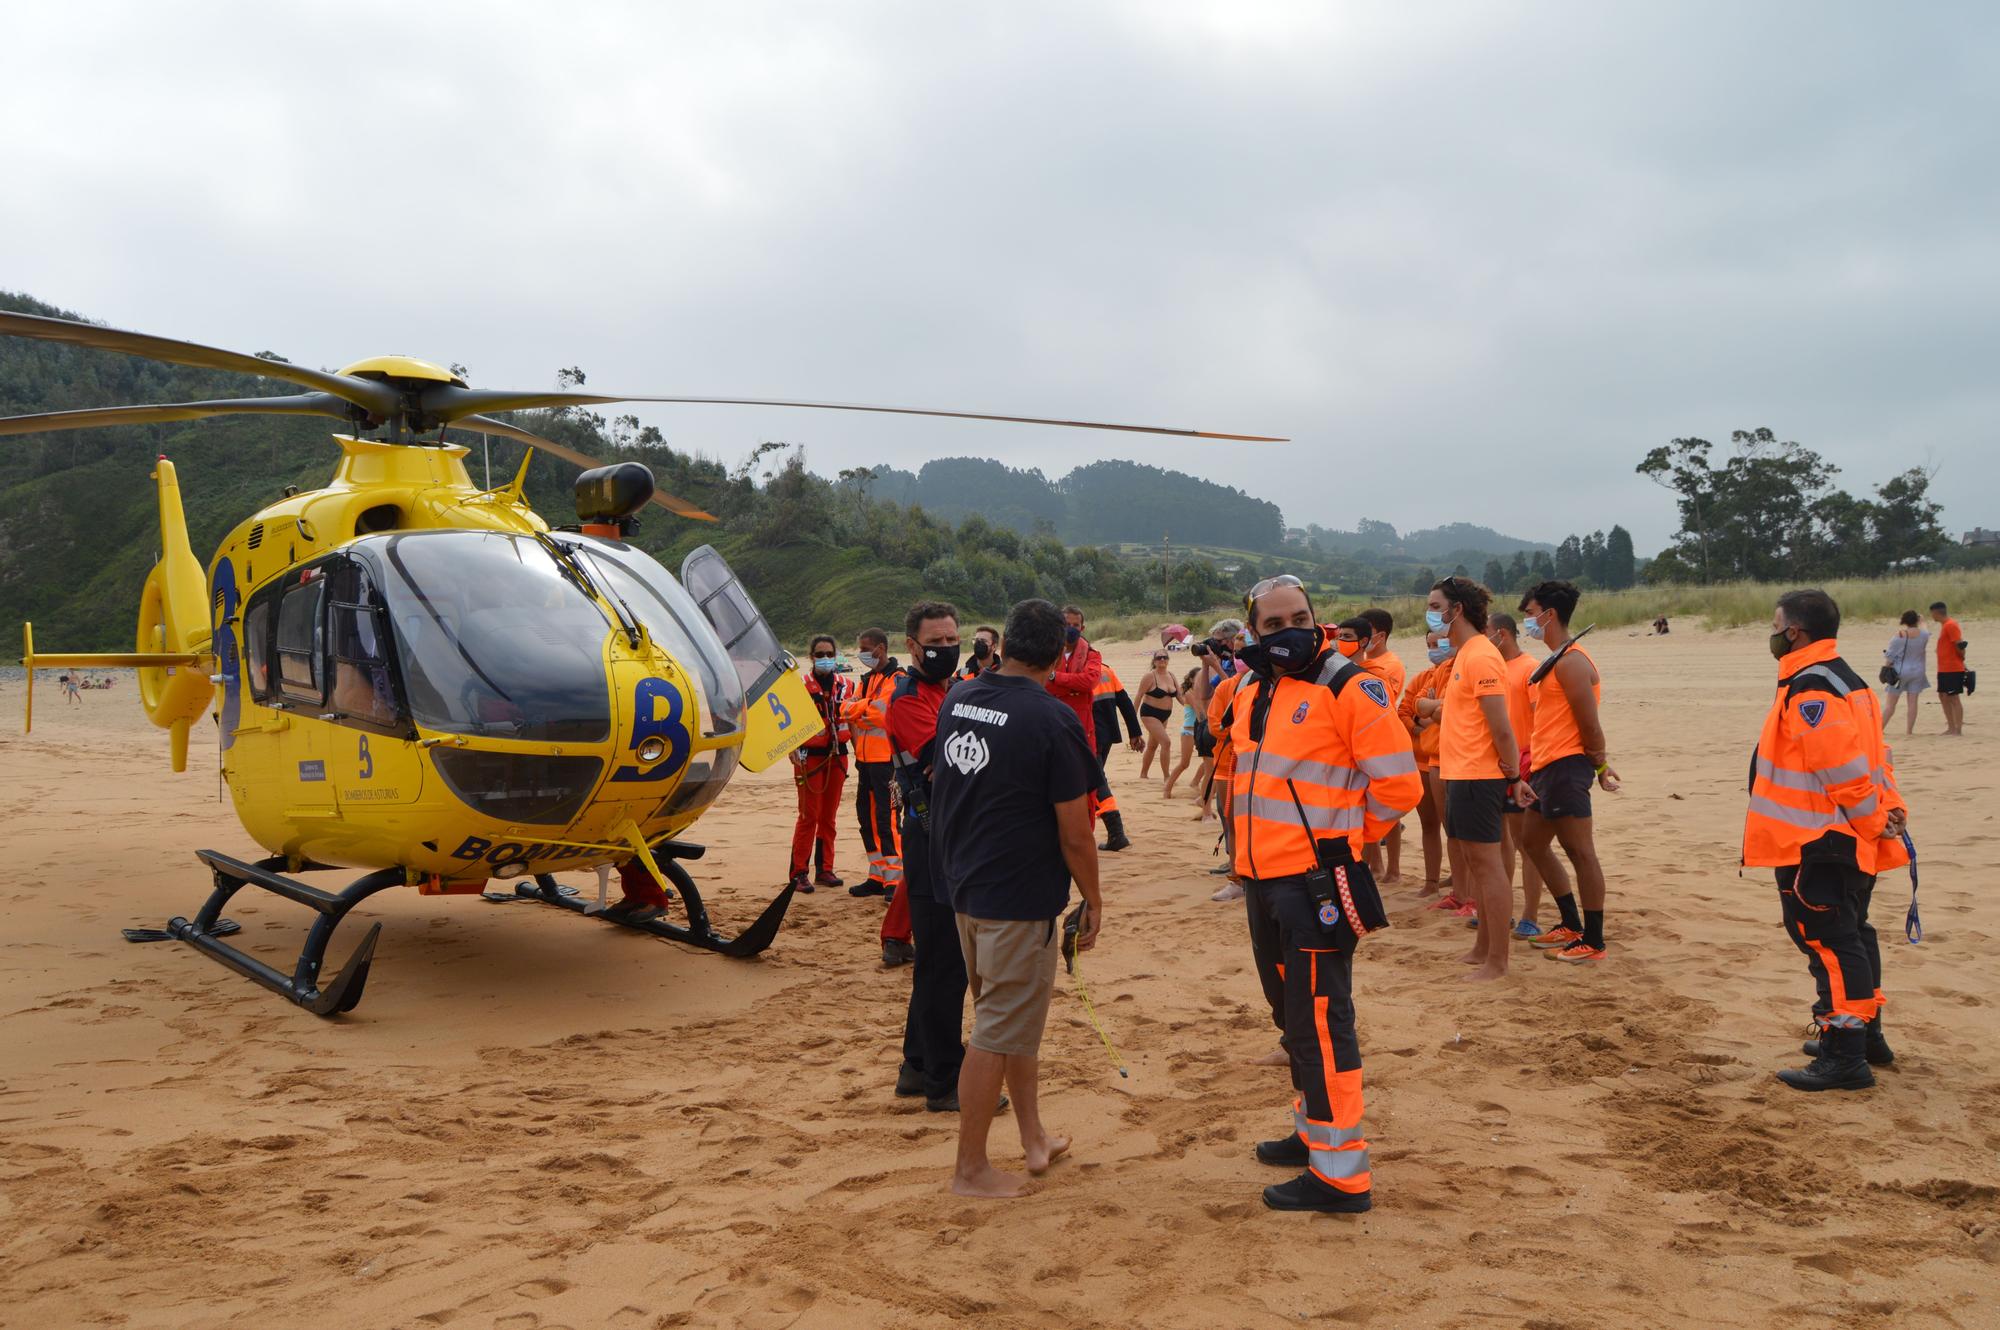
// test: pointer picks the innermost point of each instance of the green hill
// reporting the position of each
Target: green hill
(78, 522)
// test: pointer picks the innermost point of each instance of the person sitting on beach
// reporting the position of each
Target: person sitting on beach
(1011, 828)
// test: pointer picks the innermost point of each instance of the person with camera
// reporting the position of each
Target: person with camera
(1322, 768)
(1826, 815)
(819, 769)
(1954, 680)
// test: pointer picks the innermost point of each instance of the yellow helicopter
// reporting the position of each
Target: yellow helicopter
(413, 675)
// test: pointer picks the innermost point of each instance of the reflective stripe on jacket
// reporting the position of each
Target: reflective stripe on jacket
(1821, 781)
(867, 716)
(1331, 736)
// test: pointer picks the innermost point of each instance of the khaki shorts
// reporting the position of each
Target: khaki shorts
(1010, 967)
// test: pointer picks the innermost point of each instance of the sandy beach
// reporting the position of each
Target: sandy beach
(534, 1121)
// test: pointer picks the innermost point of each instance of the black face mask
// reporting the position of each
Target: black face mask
(981, 648)
(937, 663)
(1287, 651)
(1071, 634)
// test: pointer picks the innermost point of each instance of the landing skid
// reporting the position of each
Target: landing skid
(207, 929)
(697, 932)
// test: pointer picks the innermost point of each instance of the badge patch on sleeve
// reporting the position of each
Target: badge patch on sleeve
(1812, 713)
(1299, 716)
(1377, 690)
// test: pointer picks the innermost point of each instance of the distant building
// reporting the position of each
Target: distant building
(1979, 535)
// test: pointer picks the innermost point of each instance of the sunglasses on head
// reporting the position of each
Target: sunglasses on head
(1270, 584)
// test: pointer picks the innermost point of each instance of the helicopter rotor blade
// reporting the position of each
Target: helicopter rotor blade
(449, 402)
(303, 404)
(485, 424)
(378, 399)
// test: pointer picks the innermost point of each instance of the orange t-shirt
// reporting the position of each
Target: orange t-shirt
(1465, 748)
(1950, 659)
(1557, 735)
(1520, 707)
(1388, 667)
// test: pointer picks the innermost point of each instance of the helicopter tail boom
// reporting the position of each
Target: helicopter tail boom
(92, 660)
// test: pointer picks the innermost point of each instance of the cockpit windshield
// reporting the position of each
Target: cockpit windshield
(493, 635)
(675, 624)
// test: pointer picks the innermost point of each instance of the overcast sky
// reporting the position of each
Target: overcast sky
(1475, 259)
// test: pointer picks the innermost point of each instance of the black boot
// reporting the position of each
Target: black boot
(1114, 833)
(909, 1081)
(1285, 1152)
(1841, 1064)
(1877, 1049)
(1306, 1192)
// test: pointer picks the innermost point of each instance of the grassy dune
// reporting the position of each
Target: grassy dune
(1969, 592)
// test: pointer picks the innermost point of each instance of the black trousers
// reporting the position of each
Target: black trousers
(935, 1024)
(1310, 988)
(874, 811)
(1825, 908)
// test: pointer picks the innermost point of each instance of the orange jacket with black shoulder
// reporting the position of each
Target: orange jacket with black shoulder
(867, 716)
(1330, 737)
(1821, 783)
(1425, 683)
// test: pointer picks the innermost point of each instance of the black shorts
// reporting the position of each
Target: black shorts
(1562, 788)
(1951, 683)
(1204, 740)
(1472, 809)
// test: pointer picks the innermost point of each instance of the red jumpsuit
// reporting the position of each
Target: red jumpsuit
(819, 769)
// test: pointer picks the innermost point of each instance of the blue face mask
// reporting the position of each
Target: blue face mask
(1533, 628)
(1434, 620)
(1440, 653)
(868, 659)
(825, 664)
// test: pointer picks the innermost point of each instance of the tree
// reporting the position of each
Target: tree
(1426, 579)
(1541, 568)
(1569, 558)
(1620, 563)
(1519, 574)
(1906, 521)
(1682, 467)
(1495, 576)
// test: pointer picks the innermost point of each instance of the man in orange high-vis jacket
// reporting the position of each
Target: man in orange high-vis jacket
(1825, 813)
(867, 717)
(1322, 767)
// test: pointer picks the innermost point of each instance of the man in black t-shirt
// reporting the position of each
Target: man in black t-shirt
(1010, 828)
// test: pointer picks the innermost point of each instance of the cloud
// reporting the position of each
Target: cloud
(1474, 258)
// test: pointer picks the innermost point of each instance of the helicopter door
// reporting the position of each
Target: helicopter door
(778, 712)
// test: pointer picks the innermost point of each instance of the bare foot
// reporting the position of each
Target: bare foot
(1485, 974)
(1051, 1149)
(1471, 957)
(1430, 888)
(989, 1183)
(1277, 1057)
(1392, 878)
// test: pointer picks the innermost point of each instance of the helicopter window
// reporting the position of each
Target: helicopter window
(493, 638)
(257, 647)
(299, 622)
(675, 625)
(364, 684)
(748, 639)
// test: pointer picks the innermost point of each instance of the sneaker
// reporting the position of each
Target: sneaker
(1575, 953)
(826, 877)
(1306, 1192)
(909, 1082)
(1286, 1152)
(802, 884)
(1555, 939)
(896, 953)
(1230, 891)
(1527, 928)
(872, 887)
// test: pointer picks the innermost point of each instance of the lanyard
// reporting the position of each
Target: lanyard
(1913, 927)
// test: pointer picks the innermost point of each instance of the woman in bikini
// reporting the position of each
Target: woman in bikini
(1158, 692)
